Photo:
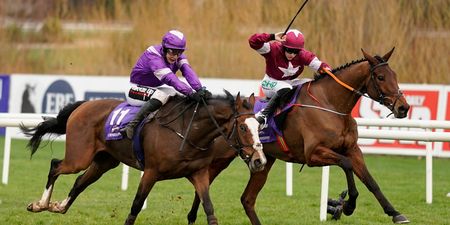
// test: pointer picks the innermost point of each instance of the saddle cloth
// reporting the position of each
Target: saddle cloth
(118, 119)
(273, 132)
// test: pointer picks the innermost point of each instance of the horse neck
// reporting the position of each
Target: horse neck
(209, 131)
(340, 98)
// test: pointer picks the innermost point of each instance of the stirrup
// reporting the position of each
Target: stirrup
(262, 120)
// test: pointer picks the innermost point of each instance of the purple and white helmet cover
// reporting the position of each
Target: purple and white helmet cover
(174, 39)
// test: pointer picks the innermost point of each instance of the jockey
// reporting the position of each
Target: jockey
(285, 59)
(153, 79)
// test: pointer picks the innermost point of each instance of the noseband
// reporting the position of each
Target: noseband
(239, 146)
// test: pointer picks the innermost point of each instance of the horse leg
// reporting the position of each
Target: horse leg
(101, 164)
(73, 162)
(323, 156)
(361, 171)
(200, 180)
(43, 203)
(148, 180)
(254, 186)
(215, 168)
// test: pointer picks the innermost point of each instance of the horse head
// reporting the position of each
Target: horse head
(245, 132)
(242, 132)
(382, 85)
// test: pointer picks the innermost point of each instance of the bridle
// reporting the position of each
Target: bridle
(237, 147)
(381, 96)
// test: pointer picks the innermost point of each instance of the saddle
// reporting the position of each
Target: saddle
(274, 130)
(118, 120)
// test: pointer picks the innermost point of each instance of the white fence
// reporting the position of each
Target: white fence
(427, 135)
(9, 120)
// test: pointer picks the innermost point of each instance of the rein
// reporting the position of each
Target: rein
(381, 95)
(237, 148)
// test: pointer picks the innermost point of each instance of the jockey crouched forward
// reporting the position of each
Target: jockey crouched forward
(285, 58)
(153, 78)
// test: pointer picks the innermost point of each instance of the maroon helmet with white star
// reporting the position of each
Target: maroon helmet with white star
(294, 39)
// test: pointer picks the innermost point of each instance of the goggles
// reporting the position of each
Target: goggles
(291, 50)
(176, 52)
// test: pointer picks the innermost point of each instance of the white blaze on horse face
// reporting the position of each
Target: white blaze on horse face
(253, 125)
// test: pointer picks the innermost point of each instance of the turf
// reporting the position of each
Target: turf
(402, 179)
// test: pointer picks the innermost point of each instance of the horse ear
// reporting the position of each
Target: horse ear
(251, 99)
(238, 98)
(369, 58)
(388, 55)
(238, 101)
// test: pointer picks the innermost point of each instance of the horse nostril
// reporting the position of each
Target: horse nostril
(257, 162)
(403, 109)
(258, 145)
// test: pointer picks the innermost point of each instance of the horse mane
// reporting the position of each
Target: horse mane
(322, 75)
(284, 99)
(227, 97)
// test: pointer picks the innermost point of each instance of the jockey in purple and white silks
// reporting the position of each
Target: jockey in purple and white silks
(285, 59)
(153, 79)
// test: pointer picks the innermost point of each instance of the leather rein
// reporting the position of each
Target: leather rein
(236, 147)
(381, 96)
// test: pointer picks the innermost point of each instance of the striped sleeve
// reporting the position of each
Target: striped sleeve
(260, 42)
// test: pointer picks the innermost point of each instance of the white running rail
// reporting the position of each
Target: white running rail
(10, 120)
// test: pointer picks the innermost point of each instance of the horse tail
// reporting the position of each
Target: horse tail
(51, 125)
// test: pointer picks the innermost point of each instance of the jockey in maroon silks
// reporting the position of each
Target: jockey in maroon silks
(153, 78)
(285, 60)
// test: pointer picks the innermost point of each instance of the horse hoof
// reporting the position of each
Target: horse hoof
(130, 220)
(54, 207)
(212, 220)
(400, 219)
(35, 207)
(348, 210)
(337, 213)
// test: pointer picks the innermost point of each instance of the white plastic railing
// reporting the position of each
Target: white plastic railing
(9, 120)
(427, 135)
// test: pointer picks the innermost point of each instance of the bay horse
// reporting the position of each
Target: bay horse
(320, 131)
(170, 150)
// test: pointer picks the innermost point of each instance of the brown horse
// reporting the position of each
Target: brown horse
(168, 153)
(323, 132)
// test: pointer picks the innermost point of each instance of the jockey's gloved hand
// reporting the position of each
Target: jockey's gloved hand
(280, 36)
(205, 94)
(324, 67)
(195, 96)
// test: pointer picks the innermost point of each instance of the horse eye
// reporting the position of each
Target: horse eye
(243, 128)
(380, 77)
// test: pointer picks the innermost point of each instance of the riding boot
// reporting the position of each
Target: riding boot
(262, 115)
(148, 107)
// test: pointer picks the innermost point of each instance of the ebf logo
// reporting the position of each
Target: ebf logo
(58, 95)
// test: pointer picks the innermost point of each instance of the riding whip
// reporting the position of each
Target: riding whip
(301, 7)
